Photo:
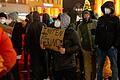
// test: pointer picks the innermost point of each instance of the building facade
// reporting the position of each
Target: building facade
(52, 7)
(21, 6)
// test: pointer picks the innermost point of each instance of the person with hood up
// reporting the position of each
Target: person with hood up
(107, 39)
(33, 46)
(64, 61)
(25, 24)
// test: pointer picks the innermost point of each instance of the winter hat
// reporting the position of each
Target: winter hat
(2, 14)
(86, 12)
(108, 4)
(13, 15)
(35, 16)
(65, 20)
(29, 17)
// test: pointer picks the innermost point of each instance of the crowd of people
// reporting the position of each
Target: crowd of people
(82, 55)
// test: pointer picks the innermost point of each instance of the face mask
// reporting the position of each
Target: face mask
(3, 21)
(57, 23)
(107, 11)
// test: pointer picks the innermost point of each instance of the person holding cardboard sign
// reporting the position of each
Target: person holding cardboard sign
(64, 62)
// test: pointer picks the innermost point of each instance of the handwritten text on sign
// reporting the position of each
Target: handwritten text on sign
(52, 38)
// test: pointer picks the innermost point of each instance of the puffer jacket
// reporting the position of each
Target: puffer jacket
(108, 29)
(71, 45)
(7, 53)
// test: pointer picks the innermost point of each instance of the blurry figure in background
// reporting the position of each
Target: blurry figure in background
(26, 23)
(47, 54)
(46, 19)
(33, 45)
(16, 40)
(87, 44)
(118, 58)
(107, 39)
(79, 56)
(4, 24)
(3, 18)
(64, 61)
(7, 55)
(73, 16)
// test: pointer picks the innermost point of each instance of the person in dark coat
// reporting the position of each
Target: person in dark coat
(107, 39)
(87, 44)
(64, 61)
(26, 23)
(16, 41)
(33, 46)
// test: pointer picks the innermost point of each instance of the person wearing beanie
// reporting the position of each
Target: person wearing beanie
(16, 41)
(3, 18)
(37, 58)
(107, 39)
(87, 45)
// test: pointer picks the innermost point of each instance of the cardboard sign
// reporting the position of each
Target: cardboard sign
(52, 38)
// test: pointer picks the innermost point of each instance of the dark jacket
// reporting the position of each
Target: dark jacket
(71, 45)
(17, 37)
(85, 33)
(33, 45)
(33, 36)
(108, 29)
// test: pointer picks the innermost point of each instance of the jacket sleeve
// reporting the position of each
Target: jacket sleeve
(75, 43)
(7, 52)
(117, 35)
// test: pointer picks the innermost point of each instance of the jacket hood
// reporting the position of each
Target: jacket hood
(65, 20)
(29, 17)
(35, 16)
(108, 4)
(73, 15)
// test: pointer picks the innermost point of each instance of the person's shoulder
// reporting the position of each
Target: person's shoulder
(70, 29)
(94, 20)
(116, 17)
